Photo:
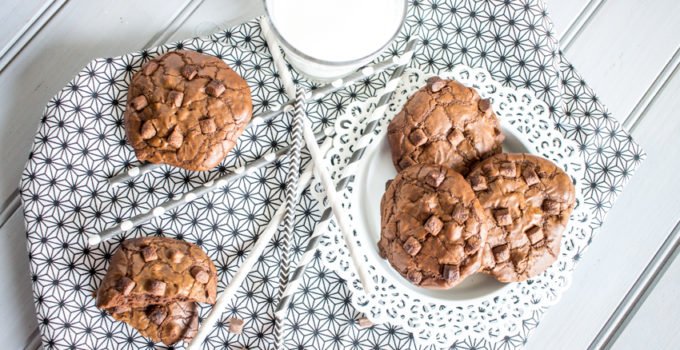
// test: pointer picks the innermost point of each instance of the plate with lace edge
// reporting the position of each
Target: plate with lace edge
(480, 303)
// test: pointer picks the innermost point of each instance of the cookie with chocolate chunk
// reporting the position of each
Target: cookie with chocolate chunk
(168, 324)
(432, 226)
(186, 109)
(444, 123)
(157, 280)
(157, 270)
(528, 201)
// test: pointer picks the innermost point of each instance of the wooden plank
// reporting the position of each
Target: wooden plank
(16, 15)
(623, 49)
(654, 325)
(28, 31)
(214, 15)
(16, 296)
(82, 31)
(636, 227)
(564, 14)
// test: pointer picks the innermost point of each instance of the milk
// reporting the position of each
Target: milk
(325, 39)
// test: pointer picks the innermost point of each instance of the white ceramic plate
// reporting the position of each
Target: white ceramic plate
(431, 313)
(371, 181)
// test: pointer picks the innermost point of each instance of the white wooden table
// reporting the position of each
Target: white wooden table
(624, 293)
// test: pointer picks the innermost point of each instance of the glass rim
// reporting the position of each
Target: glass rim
(296, 51)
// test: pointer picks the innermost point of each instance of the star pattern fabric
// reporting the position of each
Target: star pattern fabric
(81, 142)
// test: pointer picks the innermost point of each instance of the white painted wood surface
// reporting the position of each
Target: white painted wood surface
(17, 14)
(621, 47)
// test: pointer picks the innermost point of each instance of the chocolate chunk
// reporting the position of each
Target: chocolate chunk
(412, 246)
(189, 71)
(157, 314)
(148, 130)
(433, 225)
(450, 272)
(139, 102)
(175, 139)
(175, 256)
(207, 125)
(507, 169)
(215, 88)
(455, 137)
(417, 137)
(406, 162)
(414, 276)
(157, 288)
(535, 234)
(472, 244)
(434, 178)
(200, 275)
(436, 84)
(125, 285)
(175, 98)
(236, 326)
(478, 182)
(155, 141)
(484, 105)
(149, 254)
(387, 184)
(460, 214)
(150, 67)
(501, 253)
(530, 176)
(364, 322)
(551, 207)
(502, 216)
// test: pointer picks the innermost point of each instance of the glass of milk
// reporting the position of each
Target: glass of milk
(327, 39)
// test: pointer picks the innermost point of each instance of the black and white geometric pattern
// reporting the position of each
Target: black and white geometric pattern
(81, 142)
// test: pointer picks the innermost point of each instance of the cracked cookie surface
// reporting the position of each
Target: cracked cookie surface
(444, 123)
(158, 280)
(528, 201)
(168, 324)
(432, 226)
(186, 109)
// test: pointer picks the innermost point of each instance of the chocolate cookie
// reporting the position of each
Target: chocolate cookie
(432, 226)
(528, 201)
(444, 123)
(186, 109)
(157, 270)
(169, 323)
(157, 280)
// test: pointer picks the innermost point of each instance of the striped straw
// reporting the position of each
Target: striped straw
(322, 226)
(291, 202)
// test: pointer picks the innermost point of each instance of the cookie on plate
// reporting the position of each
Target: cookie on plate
(444, 123)
(168, 324)
(186, 109)
(432, 226)
(528, 201)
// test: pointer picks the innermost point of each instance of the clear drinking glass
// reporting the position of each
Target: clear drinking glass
(328, 39)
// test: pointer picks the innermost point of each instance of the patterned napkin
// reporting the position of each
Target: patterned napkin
(81, 141)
